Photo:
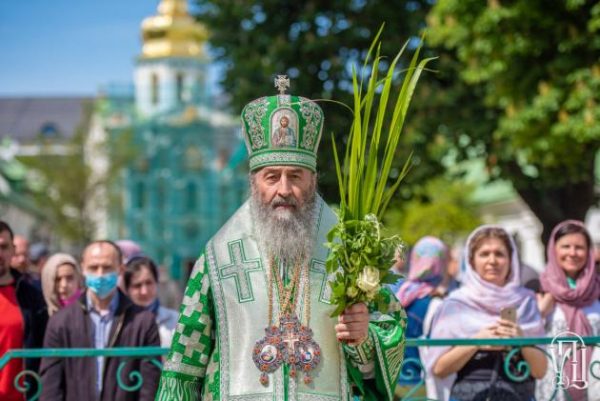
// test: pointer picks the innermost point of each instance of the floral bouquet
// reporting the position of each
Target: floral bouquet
(360, 256)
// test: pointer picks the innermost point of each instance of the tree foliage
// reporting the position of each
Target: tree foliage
(67, 187)
(315, 44)
(537, 68)
(442, 209)
(517, 83)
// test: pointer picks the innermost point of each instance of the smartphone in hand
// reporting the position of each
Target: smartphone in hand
(509, 314)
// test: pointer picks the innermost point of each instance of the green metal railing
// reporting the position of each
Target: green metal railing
(154, 353)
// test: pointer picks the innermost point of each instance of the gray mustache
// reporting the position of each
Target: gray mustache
(280, 201)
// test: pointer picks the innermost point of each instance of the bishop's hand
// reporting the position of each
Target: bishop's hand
(353, 325)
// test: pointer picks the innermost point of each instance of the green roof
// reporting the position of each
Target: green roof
(486, 190)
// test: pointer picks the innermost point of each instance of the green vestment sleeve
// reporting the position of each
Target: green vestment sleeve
(185, 370)
(374, 365)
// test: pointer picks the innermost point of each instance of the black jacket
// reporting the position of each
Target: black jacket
(74, 379)
(35, 316)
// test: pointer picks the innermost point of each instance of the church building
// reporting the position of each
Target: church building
(186, 173)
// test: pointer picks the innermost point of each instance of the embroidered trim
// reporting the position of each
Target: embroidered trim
(361, 354)
(314, 123)
(176, 389)
(283, 158)
(318, 267)
(382, 363)
(253, 397)
(317, 397)
(284, 100)
(186, 369)
(189, 351)
(344, 388)
(223, 338)
(253, 115)
(278, 387)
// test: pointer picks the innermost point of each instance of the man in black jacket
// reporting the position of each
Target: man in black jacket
(103, 318)
(23, 321)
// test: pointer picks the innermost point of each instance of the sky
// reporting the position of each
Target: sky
(69, 47)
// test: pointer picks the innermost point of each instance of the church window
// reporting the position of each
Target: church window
(179, 81)
(191, 229)
(154, 88)
(159, 226)
(193, 158)
(160, 255)
(190, 197)
(140, 229)
(140, 195)
(49, 130)
(161, 194)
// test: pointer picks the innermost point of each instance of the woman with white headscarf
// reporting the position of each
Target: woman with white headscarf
(490, 284)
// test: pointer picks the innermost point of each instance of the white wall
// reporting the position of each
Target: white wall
(166, 70)
(96, 157)
(516, 217)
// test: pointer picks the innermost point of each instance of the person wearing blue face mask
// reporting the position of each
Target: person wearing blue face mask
(103, 318)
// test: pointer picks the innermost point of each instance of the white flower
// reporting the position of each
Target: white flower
(368, 280)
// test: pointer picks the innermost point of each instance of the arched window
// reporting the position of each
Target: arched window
(180, 81)
(161, 193)
(190, 197)
(140, 195)
(154, 88)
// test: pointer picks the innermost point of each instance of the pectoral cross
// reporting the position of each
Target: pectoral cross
(282, 82)
(290, 338)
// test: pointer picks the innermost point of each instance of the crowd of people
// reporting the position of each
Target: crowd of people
(487, 300)
(107, 299)
(256, 319)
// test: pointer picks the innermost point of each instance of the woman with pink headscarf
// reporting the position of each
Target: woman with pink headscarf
(572, 287)
(490, 284)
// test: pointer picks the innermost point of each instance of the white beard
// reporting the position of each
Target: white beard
(287, 235)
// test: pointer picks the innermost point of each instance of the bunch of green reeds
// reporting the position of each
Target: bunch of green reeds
(357, 246)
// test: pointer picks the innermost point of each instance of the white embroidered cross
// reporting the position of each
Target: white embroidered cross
(239, 269)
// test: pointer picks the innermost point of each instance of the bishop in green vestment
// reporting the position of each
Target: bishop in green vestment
(255, 321)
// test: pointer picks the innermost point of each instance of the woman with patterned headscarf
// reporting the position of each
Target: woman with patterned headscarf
(426, 271)
(572, 287)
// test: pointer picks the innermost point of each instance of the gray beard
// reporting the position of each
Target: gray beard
(288, 237)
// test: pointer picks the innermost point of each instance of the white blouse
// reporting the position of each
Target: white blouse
(556, 324)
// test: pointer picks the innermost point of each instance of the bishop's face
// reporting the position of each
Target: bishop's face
(285, 189)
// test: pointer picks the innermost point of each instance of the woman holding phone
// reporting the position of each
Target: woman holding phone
(491, 303)
(572, 287)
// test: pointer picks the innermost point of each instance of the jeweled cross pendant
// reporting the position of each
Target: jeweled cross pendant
(290, 337)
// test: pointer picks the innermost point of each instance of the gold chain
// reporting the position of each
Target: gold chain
(285, 294)
(307, 296)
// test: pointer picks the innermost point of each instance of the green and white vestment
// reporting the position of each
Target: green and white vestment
(224, 312)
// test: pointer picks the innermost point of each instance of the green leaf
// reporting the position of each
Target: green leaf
(338, 310)
(390, 278)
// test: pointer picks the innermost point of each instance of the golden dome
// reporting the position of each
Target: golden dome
(173, 32)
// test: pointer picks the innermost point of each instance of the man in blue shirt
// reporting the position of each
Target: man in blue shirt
(103, 318)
